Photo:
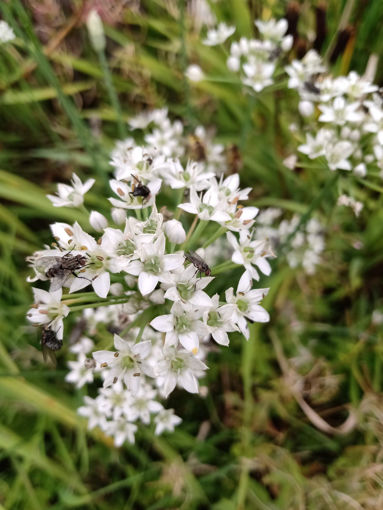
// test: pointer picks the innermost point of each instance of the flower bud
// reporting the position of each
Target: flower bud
(118, 216)
(360, 170)
(306, 108)
(96, 31)
(116, 289)
(175, 231)
(98, 221)
(194, 73)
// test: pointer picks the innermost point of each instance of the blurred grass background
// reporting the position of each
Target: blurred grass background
(248, 443)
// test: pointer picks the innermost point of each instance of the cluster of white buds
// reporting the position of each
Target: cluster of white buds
(305, 244)
(256, 59)
(150, 289)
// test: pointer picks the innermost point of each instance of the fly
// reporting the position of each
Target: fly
(140, 190)
(198, 262)
(50, 344)
(59, 269)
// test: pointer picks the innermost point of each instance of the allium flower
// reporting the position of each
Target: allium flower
(218, 35)
(183, 325)
(179, 367)
(81, 371)
(49, 310)
(91, 410)
(98, 221)
(250, 253)
(174, 231)
(125, 364)
(71, 196)
(6, 32)
(153, 265)
(245, 304)
(166, 420)
(121, 430)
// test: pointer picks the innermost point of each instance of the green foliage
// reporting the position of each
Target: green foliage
(248, 443)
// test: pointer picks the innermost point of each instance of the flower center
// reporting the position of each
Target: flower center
(153, 265)
(182, 323)
(126, 248)
(150, 227)
(243, 305)
(248, 252)
(127, 362)
(177, 364)
(214, 320)
(185, 290)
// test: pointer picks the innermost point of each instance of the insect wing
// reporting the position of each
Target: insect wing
(194, 258)
(43, 264)
(48, 354)
(57, 282)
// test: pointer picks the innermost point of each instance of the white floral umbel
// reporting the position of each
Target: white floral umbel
(6, 32)
(71, 196)
(163, 316)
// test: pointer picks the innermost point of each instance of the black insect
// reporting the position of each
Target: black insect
(311, 87)
(50, 344)
(49, 339)
(198, 262)
(140, 190)
(59, 269)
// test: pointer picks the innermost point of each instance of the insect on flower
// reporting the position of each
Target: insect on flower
(198, 262)
(196, 148)
(50, 344)
(140, 190)
(59, 269)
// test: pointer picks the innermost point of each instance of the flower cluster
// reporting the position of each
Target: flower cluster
(256, 59)
(343, 114)
(305, 244)
(150, 289)
(6, 32)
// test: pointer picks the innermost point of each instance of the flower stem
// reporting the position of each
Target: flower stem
(215, 236)
(113, 98)
(191, 230)
(225, 266)
(99, 303)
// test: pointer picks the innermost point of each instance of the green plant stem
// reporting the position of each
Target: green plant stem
(225, 266)
(113, 98)
(214, 237)
(195, 235)
(314, 205)
(99, 303)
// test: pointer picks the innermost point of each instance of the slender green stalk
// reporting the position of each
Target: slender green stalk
(113, 98)
(214, 237)
(195, 235)
(225, 266)
(314, 205)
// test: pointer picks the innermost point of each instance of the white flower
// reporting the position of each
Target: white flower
(258, 74)
(71, 196)
(337, 155)
(174, 231)
(194, 176)
(143, 404)
(118, 215)
(184, 286)
(194, 73)
(49, 309)
(249, 253)
(81, 371)
(179, 367)
(340, 112)
(83, 346)
(245, 305)
(121, 430)
(315, 147)
(125, 364)
(183, 325)
(272, 29)
(153, 265)
(306, 108)
(207, 207)
(218, 35)
(98, 221)
(216, 324)
(92, 411)
(6, 32)
(166, 420)
(350, 202)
